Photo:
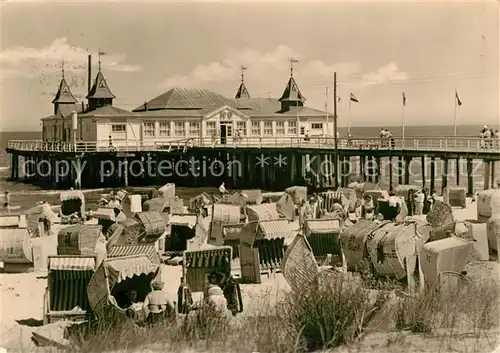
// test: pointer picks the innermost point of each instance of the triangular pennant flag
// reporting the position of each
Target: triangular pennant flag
(404, 99)
(459, 102)
(354, 99)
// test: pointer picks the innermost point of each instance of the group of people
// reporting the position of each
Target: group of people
(387, 138)
(489, 137)
(157, 306)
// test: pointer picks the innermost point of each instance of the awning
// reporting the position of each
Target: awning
(277, 229)
(128, 250)
(9, 221)
(121, 268)
(183, 220)
(105, 213)
(71, 263)
(323, 225)
(71, 195)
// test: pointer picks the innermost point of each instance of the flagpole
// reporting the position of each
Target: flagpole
(455, 116)
(326, 110)
(402, 116)
(350, 117)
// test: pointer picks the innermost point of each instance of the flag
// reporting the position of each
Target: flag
(404, 99)
(292, 60)
(354, 99)
(102, 53)
(459, 102)
(339, 99)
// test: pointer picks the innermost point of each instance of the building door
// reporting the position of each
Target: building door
(226, 131)
(223, 134)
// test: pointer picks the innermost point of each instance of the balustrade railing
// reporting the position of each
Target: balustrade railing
(457, 144)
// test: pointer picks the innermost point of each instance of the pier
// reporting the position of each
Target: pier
(270, 163)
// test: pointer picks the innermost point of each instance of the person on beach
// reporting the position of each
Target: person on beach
(158, 305)
(368, 208)
(427, 202)
(419, 203)
(222, 190)
(309, 210)
(410, 203)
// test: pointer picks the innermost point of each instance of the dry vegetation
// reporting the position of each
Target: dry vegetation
(337, 312)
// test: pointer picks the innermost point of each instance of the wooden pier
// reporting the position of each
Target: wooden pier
(268, 163)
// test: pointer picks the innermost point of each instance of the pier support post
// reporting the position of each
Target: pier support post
(444, 177)
(401, 167)
(470, 180)
(492, 168)
(458, 171)
(486, 164)
(433, 174)
(15, 166)
(407, 170)
(424, 182)
(377, 169)
(125, 172)
(347, 170)
(390, 174)
(362, 168)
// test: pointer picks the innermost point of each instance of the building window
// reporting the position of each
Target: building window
(280, 128)
(148, 129)
(179, 129)
(194, 129)
(211, 128)
(241, 127)
(255, 128)
(268, 128)
(292, 128)
(118, 128)
(165, 129)
(302, 130)
(317, 126)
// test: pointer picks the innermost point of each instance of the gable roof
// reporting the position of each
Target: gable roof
(242, 92)
(100, 89)
(185, 98)
(64, 95)
(65, 110)
(292, 92)
(108, 111)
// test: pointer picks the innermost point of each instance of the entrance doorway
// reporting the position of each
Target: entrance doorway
(226, 130)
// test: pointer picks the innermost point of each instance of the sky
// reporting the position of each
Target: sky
(378, 49)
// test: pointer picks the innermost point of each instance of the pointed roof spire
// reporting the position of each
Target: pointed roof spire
(242, 90)
(292, 92)
(100, 89)
(64, 94)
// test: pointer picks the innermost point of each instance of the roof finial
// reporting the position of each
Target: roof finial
(243, 68)
(292, 61)
(62, 68)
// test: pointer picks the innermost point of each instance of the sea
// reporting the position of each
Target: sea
(26, 195)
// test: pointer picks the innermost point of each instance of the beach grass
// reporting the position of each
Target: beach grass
(336, 313)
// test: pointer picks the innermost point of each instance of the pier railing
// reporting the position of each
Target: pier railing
(452, 144)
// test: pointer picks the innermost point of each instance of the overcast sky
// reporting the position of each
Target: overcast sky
(378, 50)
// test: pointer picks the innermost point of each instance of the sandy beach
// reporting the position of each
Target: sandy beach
(22, 297)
